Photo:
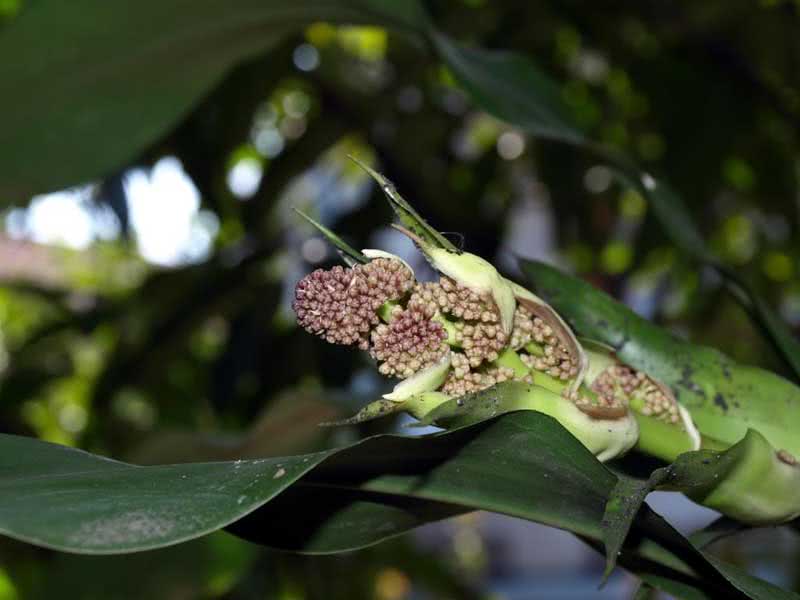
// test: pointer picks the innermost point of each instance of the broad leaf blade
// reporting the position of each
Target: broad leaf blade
(114, 76)
(522, 464)
(725, 398)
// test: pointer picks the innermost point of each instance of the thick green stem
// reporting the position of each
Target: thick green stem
(664, 440)
(751, 482)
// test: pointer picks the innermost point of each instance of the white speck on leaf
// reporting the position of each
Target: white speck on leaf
(279, 473)
(648, 182)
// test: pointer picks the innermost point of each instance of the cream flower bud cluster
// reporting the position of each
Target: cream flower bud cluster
(620, 380)
(476, 319)
(556, 359)
(463, 380)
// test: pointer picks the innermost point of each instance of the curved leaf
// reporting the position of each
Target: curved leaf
(725, 398)
(70, 500)
(522, 464)
(112, 77)
(674, 217)
(512, 88)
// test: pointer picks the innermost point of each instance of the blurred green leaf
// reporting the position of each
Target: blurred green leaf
(512, 88)
(288, 425)
(523, 464)
(112, 78)
(202, 568)
(678, 224)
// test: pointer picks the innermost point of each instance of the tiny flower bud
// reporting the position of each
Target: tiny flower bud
(410, 342)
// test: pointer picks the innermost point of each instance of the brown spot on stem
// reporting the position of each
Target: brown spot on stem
(787, 457)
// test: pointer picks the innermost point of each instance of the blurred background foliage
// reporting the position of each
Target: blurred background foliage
(145, 315)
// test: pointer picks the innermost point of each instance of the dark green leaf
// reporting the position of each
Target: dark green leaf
(675, 218)
(725, 398)
(522, 464)
(623, 505)
(512, 88)
(70, 500)
(103, 88)
(720, 528)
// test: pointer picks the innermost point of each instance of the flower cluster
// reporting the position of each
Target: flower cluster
(411, 341)
(549, 354)
(476, 321)
(619, 381)
(340, 305)
(462, 380)
(408, 327)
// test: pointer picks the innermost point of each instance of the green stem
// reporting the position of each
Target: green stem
(660, 439)
(386, 309)
(534, 349)
(450, 328)
(511, 360)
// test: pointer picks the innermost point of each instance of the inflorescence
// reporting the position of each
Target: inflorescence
(340, 305)
(409, 326)
(411, 341)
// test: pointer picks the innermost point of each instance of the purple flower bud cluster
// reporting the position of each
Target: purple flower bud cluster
(340, 305)
(409, 343)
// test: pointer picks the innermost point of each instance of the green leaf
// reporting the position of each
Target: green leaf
(113, 77)
(623, 505)
(70, 500)
(724, 398)
(671, 211)
(521, 464)
(717, 530)
(512, 88)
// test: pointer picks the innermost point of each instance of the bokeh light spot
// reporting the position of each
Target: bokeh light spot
(510, 145)
(616, 257)
(305, 57)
